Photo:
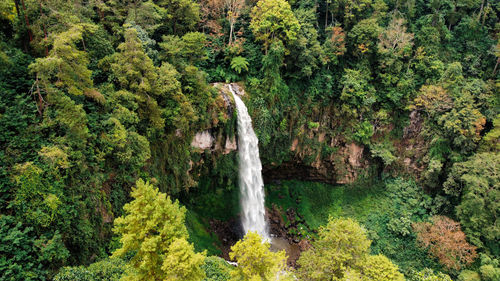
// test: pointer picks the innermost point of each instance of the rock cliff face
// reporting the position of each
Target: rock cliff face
(203, 140)
(206, 140)
(319, 154)
(342, 165)
(329, 157)
(214, 139)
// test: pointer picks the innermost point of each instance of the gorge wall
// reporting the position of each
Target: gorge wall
(317, 154)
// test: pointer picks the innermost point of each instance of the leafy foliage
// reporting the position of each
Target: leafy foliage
(153, 230)
(339, 247)
(19, 258)
(475, 182)
(256, 261)
(110, 269)
(216, 269)
(341, 253)
(428, 275)
(273, 20)
(97, 94)
(239, 64)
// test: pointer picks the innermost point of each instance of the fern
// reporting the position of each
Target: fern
(239, 63)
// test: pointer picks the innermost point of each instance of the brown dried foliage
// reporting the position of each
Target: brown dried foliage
(445, 241)
(338, 40)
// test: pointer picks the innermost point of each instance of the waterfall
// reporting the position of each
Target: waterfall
(250, 173)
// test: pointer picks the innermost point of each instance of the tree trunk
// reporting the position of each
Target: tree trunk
(17, 8)
(40, 105)
(496, 65)
(231, 28)
(19, 16)
(480, 11)
(453, 13)
(27, 21)
(484, 16)
(326, 15)
(44, 29)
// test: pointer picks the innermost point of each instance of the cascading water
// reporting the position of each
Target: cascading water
(250, 173)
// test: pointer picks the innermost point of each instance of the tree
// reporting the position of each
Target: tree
(239, 64)
(497, 54)
(476, 184)
(50, 18)
(428, 274)
(134, 71)
(357, 93)
(109, 269)
(463, 123)
(147, 15)
(255, 261)
(194, 47)
(364, 36)
(63, 71)
(187, 49)
(394, 41)
(65, 67)
(490, 268)
(341, 252)
(305, 53)
(274, 20)
(182, 263)
(446, 242)
(7, 10)
(433, 100)
(454, 108)
(348, 9)
(154, 234)
(335, 45)
(178, 110)
(380, 268)
(395, 47)
(234, 8)
(211, 12)
(18, 255)
(469, 275)
(340, 246)
(182, 15)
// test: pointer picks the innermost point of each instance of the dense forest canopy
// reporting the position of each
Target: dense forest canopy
(396, 102)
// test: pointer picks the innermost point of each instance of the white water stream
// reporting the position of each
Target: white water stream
(250, 173)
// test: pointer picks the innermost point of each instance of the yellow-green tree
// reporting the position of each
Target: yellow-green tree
(65, 67)
(341, 253)
(134, 71)
(64, 74)
(153, 232)
(380, 268)
(255, 260)
(274, 20)
(428, 274)
(339, 247)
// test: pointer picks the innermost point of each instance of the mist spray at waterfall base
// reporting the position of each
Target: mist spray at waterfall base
(250, 174)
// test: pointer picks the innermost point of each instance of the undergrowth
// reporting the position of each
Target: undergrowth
(374, 205)
(220, 204)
